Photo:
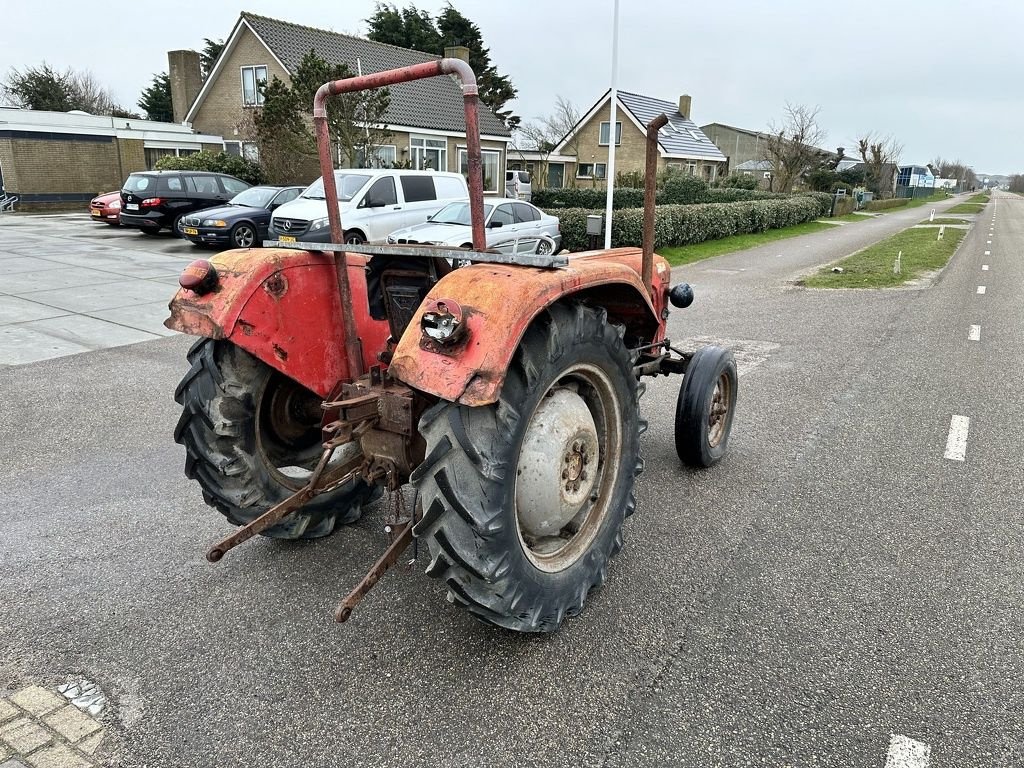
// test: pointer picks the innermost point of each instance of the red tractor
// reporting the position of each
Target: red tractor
(504, 388)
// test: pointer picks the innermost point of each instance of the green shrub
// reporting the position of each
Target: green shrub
(215, 162)
(569, 197)
(884, 205)
(689, 224)
(680, 188)
(739, 181)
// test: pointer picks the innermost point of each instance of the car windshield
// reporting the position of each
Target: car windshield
(457, 213)
(255, 197)
(349, 185)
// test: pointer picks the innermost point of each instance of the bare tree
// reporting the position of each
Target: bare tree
(792, 148)
(955, 169)
(881, 157)
(91, 96)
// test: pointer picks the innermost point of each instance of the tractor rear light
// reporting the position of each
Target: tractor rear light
(199, 276)
(150, 202)
(442, 322)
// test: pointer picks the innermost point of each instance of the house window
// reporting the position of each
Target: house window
(691, 168)
(252, 78)
(675, 166)
(233, 148)
(380, 157)
(603, 137)
(591, 171)
(490, 159)
(428, 154)
(250, 151)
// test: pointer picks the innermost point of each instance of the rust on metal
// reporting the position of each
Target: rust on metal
(323, 480)
(402, 539)
(650, 177)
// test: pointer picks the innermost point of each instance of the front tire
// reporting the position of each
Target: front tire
(243, 235)
(251, 438)
(705, 407)
(524, 499)
(354, 237)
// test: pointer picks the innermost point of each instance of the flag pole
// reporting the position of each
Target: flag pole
(610, 172)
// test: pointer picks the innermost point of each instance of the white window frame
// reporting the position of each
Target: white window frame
(499, 175)
(691, 168)
(417, 154)
(258, 96)
(579, 171)
(605, 125)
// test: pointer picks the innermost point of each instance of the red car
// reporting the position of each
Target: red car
(106, 208)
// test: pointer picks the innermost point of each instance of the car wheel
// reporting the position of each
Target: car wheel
(176, 228)
(544, 248)
(354, 237)
(243, 235)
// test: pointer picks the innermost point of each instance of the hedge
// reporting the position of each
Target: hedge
(216, 162)
(684, 190)
(689, 224)
(882, 205)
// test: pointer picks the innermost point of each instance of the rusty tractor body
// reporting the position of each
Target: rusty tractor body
(505, 391)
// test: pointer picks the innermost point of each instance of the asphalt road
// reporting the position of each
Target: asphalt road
(834, 582)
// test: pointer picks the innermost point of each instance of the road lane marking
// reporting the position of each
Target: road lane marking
(990, 242)
(974, 334)
(988, 253)
(981, 289)
(904, 752)
(956, 442)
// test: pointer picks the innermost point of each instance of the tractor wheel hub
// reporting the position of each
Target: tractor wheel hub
(557, 464)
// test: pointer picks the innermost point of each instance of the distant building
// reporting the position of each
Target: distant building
(56, 159)
(914, 181)
(681, 144)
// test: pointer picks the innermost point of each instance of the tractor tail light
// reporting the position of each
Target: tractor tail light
(199, 276)
(150, 202)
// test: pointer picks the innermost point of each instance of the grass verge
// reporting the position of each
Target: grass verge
(873, 267)
(979, 198)
(687, 254)
(946, 221)
(851, 217)
(966, 208)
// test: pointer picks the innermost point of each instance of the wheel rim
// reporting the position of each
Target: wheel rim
(544, 248)
(288, 430)
(353, 239)
(718, 414)
(244, 237)
(576, 471)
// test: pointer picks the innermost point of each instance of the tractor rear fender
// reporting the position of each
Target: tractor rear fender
(499, 302)
(283, 306)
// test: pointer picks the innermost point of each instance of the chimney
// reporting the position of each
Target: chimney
(684, 106)
(186, 81)
(457, 52)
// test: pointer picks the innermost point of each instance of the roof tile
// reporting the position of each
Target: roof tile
(681, 137)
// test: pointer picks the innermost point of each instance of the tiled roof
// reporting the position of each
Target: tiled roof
(681, 137)
(435, 103)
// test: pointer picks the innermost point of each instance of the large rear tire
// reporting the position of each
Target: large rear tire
(524, 499)
(251, 437)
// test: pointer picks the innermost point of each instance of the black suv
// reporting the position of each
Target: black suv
(152, 200)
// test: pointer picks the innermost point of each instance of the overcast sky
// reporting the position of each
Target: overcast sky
(944, 77)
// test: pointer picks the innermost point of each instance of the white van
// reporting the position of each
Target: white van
(372, 202)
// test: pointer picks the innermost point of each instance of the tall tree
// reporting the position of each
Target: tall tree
(208, 56)
(880, 155)
(413, 28)
(39, 87)
(792, 148)
(156, 99)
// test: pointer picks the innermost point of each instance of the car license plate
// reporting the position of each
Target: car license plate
(95, 212)
(191, 231)
(286, 238)
(132, 206)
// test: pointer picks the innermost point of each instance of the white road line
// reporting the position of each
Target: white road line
(956, 442)
(904, 752)
(981, 289)
(984, 267)
(989, 242)
(974, 334)
(988, 253)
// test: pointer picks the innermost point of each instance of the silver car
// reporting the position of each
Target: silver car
(512, 227)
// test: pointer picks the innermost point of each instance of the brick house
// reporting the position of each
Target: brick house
(51, 160)
(425, 118)
(681, 144)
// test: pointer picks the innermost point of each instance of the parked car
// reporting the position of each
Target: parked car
(242, 223)
(518, 185)
(106, 208)
(373, 203)
(512, 226)
(154, 200)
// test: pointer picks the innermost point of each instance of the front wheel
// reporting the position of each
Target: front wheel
(243, 235)
(524, 499)
(252, 438)
(354, 237)
(705, 407)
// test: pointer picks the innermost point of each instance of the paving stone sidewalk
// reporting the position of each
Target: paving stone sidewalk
(39, 728)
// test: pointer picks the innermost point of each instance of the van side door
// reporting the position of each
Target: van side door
(420, 198)
(380, 211)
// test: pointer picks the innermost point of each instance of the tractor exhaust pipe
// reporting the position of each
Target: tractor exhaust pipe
(465, 74)
(650, 192)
